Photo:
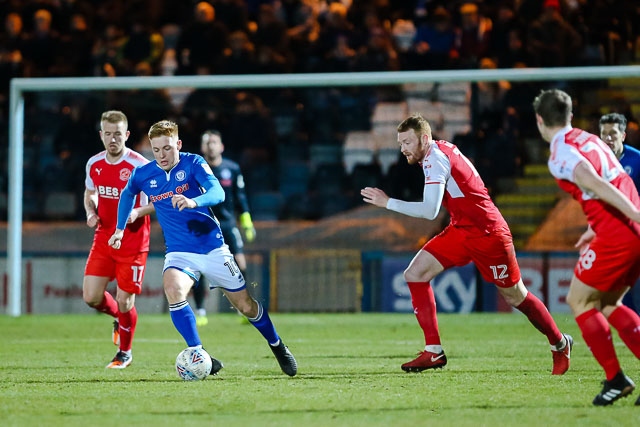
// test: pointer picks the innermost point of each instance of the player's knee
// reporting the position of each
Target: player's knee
(92, 301)
(248, 308)
(413, 275)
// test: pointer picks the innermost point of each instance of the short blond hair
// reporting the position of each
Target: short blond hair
(114, 117)
(163, 128)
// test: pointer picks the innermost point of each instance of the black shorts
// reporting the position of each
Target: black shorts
(232, 238)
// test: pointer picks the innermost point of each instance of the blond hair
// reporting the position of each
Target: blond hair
(163, 128)
(114, 117)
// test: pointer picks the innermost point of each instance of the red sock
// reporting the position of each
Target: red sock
(424, 307)
(539, 317)
(128, 322)
(627, 323)
(108, 305)
(597, 334)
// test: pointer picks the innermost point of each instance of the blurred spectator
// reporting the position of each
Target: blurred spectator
(552, 41)
(339, 59)
(472, 36)
(202, 42)
(301, 20)
(107, 52)
(11, 57)
(272, 43)
(142, 45)
(334, 26)
(41, 47)
(514, 53)
(403, 32)
(504, 24)
(233, 13)
(270, 30)
(67, 9)
(433, 45)
(378, 54)
(240, 56)
(607, 28)
(496, 135)
(77, 44)
(251, 137)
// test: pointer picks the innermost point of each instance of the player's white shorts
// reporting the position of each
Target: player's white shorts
(218, 268)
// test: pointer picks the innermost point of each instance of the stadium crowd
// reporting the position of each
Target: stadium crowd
(265, 130)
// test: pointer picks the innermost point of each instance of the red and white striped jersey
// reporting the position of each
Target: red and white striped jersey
(466, 197)
(571, 146)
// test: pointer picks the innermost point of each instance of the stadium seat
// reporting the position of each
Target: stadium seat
(60, 205)
(293, 178)
(324, 154)
(359, 148)
(386, 113)
(387, 157)
(329, 179)
(266, 206)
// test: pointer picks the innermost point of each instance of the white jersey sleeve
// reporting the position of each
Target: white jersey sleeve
(562, 163)
(437, 170)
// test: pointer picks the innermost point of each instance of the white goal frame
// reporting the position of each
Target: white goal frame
(20, 86)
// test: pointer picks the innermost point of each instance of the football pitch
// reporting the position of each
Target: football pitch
(52, 373)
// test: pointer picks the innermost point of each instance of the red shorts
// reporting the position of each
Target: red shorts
(493, 254)
(607, 265)
(127, 270)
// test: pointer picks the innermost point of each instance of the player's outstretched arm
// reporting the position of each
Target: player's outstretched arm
(428, 208)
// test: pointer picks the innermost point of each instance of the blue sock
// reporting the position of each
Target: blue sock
(263, 323)
(185, 322)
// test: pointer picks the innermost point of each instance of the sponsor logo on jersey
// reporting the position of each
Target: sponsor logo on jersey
(153, 183)
(98, 170)
(168, 194)
(108, 192)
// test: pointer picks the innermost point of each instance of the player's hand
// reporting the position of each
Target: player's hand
(133, 216)
(93, 220)
(181, 202)
(583, 243)
(375, 196)
(247, 227)
(115, 241)
(249, 234)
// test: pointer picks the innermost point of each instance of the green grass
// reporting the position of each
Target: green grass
(52, 374)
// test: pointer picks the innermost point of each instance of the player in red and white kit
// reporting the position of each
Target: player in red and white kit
(477, 232)
(107, 174)
(609, 265)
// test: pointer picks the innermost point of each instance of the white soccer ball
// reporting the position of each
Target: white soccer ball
(193, 363)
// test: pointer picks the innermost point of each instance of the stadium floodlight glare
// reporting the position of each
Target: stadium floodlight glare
(21, 85)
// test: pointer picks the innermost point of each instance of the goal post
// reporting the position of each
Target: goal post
(20, 86)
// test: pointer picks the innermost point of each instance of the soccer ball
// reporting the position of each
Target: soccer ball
(193, 363)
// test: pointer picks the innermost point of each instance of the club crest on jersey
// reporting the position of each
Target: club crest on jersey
(181, 176)
(125, 174)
